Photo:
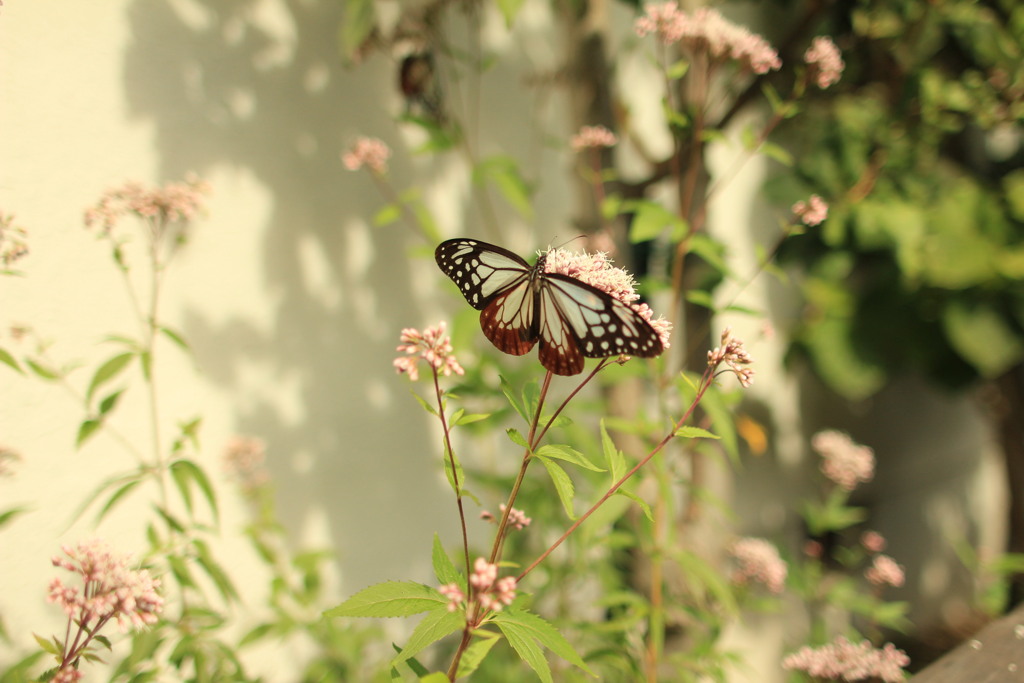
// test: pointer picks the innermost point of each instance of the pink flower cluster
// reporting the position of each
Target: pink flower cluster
(596, 269)
(431, 345)
(759, 561)
(735, 357)
(812, 212)
(843, 660)
(885, 571)
(12, 240)
(175, 202)
(707, 31)
(244, 460)
(825, 62)
(372, 153)
(112, 590)
(844, 462)
(593, 137)
(491, 592)
(516, 518)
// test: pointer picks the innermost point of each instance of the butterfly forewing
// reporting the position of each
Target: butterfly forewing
(479, 269)
(521, 305)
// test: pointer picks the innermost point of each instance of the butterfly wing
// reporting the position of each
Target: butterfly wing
(497, 282)
(597, 322)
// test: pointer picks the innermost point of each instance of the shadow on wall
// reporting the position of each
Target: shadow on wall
(269, 96)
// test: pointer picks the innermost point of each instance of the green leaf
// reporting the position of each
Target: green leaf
(85, 430)
(7, 359)
(423, 402)
(611, 206)
(547, 635)
(8, 516)
(622, 491)
(41, 370)
(444, 568)
(779, 154)
(562, 452)
(48, 645)
(503, 172)
(688, 432)
(650, 220)
(982, 336)
(220, 578)
(475, 653)
(563, 485)
(356, 27)
(116, 498)
(677, 70)
(517, 438)
(186, 473)
(521, 641)
(432, 628)
(386, 215)
(612, 456)
(176, 338)
(509, 10)
(110, 402)
(470, 418)
(390, 599)
(506, 389)
(108, 371)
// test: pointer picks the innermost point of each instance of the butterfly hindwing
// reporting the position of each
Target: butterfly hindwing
(521, 305)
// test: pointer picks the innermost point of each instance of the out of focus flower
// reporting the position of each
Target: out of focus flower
(175, 202)
(843, 461)
(884, 571)
(245, 461)
(758, 561)
(372, 153)
(846, 661)
(707, 31)
(593, 137)
(812, 212)
(825, 61)
(872, 541)
(454, 594)
(12, 240)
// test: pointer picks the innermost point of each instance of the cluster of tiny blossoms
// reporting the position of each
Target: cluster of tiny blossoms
(843, 660)
(593, 137)
(825, 62)
(708, 31)
(758, 560)
(596, 270)
(431, 345)
(491, 592)
(843, 461)
(372, 153)
(244, 460)
(12, 240)
(517, 519)
(812, 212)
(112, 590)
(175, 202)
(885, 571)
(735, 357)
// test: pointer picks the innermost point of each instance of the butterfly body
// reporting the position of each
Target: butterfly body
(522, 305)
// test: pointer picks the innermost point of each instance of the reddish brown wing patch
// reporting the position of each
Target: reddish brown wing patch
(506, 320)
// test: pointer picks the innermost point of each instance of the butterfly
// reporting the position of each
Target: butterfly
(522, 305)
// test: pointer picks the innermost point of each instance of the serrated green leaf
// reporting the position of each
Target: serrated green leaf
(516, 437)
(475, 653)
(563, 485)
(423, 402)
(470, 418)
(622, 491)
(47, 645)
(523, 643)
(390, 599)
(108, 371)
(688, 432)
(612, 456)
(432, 628)
(533, 626)
(9, 360)
(444, 568)
(506, 389)
(563, 452)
